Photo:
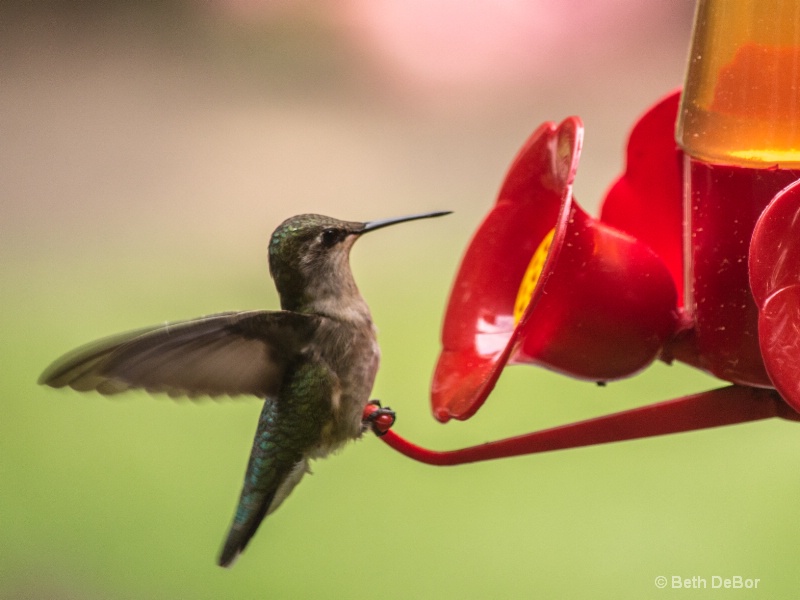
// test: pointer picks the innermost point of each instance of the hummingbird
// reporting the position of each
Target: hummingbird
(313, 363)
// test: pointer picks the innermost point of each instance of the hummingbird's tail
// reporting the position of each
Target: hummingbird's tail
(243, 529)
(289, 429)
(254, 505)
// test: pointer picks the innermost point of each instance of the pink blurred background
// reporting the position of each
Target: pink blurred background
(139, 120)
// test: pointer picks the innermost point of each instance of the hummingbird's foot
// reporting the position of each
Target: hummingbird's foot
(377, 418)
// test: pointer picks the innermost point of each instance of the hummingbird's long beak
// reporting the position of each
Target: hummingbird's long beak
(373, 225)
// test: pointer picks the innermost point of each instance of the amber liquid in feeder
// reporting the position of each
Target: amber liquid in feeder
(741, 101)
(739, 125)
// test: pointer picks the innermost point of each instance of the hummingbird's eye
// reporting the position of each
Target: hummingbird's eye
(330, 237)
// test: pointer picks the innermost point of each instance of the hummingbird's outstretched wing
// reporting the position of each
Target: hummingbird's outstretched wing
(225, 354)
(288, 428)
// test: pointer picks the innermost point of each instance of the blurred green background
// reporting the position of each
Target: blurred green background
(148, 149)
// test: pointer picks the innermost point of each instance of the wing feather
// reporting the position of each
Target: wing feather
(227, 354)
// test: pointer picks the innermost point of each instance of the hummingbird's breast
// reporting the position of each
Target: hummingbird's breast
(350, 348)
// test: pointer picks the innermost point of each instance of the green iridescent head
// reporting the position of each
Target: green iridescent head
(308, 254)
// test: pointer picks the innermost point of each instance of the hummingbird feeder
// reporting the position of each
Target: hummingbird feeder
(695, 256)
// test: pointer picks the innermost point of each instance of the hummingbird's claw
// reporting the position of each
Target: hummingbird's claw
(378, 418)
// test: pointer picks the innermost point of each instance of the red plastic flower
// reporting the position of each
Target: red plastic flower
(542, 282)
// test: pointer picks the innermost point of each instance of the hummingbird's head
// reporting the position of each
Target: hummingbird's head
(309, 256)
(305, 248)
